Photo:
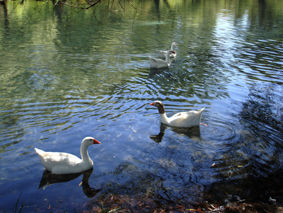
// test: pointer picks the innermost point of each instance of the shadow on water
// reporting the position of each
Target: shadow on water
(153, 72)
(48, 178)
(193, 133)
(251, 189)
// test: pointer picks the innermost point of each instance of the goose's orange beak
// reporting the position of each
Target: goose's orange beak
(152, 104)
(96, 141)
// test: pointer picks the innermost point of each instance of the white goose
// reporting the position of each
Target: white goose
(173, 53)
(157, 63)
(181, 119)
(65, 163)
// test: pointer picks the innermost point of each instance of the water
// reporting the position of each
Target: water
(67, 73)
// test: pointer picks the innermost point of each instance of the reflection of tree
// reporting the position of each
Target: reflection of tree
(3, 3)
(250, 167)
(256, 154)
(54, 74)
(251, 164)
(262, 118)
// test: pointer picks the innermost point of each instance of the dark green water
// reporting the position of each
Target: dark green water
(67, 73)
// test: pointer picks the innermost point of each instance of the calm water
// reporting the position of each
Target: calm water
(69, 73)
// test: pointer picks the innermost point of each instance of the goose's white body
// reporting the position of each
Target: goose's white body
(158, 63)
(181, 119)
(65, 163)
(172, 52)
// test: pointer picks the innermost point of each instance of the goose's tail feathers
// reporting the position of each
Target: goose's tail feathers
(38, 151)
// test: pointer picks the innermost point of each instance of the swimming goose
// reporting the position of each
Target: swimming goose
(181, 119)
(65, 163)
(157, 63)
(172, 51)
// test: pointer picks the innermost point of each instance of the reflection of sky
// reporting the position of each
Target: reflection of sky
(228, 39)
(224, 30)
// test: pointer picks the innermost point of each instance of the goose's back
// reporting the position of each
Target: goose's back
(185, 119)
(59, 162)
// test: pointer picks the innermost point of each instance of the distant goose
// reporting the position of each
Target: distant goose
(173, 53)
(65, 163)
(181, 119)
(158, 63)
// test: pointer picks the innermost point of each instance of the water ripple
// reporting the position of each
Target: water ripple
(262, 61)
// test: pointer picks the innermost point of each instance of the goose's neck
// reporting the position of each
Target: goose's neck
(84, 154)
(163, 116)
(172, 46)
(161, 109)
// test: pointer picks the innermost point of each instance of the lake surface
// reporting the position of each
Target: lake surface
(67, 73)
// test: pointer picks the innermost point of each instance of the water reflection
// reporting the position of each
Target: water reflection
(193, 133)
(3, 4)
(48, 178)
(262, 118)
(256, 150)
